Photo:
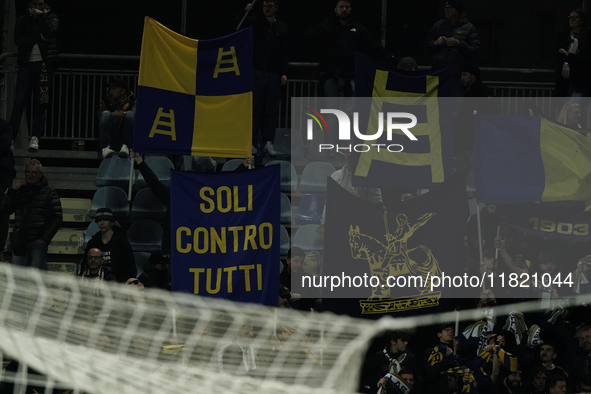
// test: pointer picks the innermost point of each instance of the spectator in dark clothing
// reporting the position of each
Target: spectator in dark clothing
(511, 383)
(38, 216)
(574, 57)
(34, 34)
(395, 356)
(293, 264)
(470, 78)
(112, 241)
(337, 40)
(270, 72)
(453, 41)
(116, 119)
(157, 272)
(95, 268)
(160, 190)
(582, 366)
(556, 384)
(7, 175)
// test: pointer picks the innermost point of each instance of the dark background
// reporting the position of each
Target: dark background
(513, 33)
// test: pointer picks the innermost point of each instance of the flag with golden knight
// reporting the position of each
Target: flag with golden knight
(194, 96)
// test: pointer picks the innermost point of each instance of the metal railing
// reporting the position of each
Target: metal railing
(77, 93)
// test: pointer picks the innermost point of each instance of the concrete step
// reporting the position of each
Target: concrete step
(57, 154)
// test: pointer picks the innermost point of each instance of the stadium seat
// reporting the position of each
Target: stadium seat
(282, 143)
(308, 239)
(161, 166)
(298, 151)
(289, 176)
(314, 177)
(285, 209)
(110, 197)
(145, 236)
(147, 206)
(231, 165)
(141, 259)
(114, 171)
(310, 209)
(285, 244)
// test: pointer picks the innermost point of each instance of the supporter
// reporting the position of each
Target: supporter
(160, 190)
(337, 40)
(547, 357)
(248, 163)
(135, 282)
(38, 216)
(293, 264)
(34, 34)
(270, 48)
(574, 57)
(116, 119)
(95, 268)
(584, 385)
(112, 241)
(407, 64)
(511, 383)
(453, 41)
(582, 365)
(556, 384)
(7, 175)
(398, 383)
(538, 381)
(395, 357)
(570, 115)
(157, 271)
(472, 82)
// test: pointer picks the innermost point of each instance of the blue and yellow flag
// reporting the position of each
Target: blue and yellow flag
(225, 234)
(530, 159)
(422, 163)
(194, 96)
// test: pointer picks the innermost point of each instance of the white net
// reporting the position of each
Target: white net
(98, 338)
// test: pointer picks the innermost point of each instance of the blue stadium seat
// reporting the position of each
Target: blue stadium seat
(147, 206)
(285, 209)
(310, 209)
(145, 236)
(231, 165)
(114, 171)
(161, 166)
(141, 259)
(308, 239)
(314, 177)
(289, 176)
(285, 244)
(110, 197)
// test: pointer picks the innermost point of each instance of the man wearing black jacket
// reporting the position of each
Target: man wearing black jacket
(270, 69)
(38, 216)
(34, 34)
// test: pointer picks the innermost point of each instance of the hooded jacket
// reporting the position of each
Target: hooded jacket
(40, 30)
(457, 57)
(37, 209)
(117, 253)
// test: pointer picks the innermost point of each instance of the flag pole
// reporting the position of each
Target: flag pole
(480, 239)
(457, 330)
(497, 249)
(245, 15)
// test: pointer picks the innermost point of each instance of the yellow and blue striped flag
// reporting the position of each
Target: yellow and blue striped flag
(530, 159)
(194, 96)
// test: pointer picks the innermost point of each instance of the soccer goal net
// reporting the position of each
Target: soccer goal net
(64, 333)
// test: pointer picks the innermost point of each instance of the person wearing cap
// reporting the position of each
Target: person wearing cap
(470, 78)
(112, 241)
(34, 34)
(38, 216)
(157, 271)
(453, 41)
(407, 64)
(116, 119)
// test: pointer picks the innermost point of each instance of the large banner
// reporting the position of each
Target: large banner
(225, 234)
(422, 163)
(194, 96)
(403, 244)
(563, 221)
(530, 159)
